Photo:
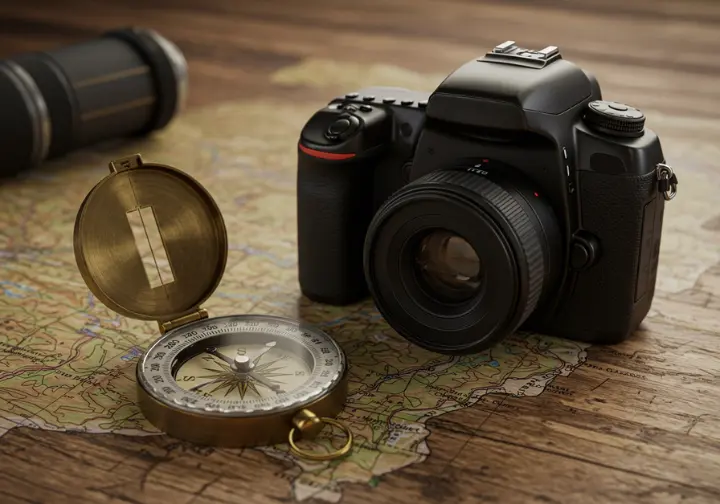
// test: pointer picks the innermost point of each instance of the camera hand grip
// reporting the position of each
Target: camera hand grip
(334, 208)
(625, 214)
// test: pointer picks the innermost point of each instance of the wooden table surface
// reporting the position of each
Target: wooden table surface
(569, 444)
(659, 55)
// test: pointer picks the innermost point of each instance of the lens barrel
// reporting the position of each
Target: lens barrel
(125, 83)
(456, 261)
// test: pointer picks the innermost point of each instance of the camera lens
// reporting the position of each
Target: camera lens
(448, 266)
(456, 261)
(127, 82)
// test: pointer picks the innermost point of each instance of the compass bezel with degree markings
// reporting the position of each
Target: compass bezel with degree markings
(151, 244)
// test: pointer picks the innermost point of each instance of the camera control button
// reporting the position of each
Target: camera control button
(338, 127)
(350, 96)
(422, 104)
(584, 251)
(368, 98)
(342, 128)
(407, 102)
(579, 256)
(389, 99)
(616, 119)
(365, 108)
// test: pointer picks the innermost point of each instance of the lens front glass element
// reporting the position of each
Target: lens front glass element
(448, 267)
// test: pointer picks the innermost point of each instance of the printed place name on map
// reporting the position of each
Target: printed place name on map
(28, 354)
(499, 404)
(286, 476)
(537, 382)
(617, 353)
(453, 395)
(377, 423)
(616, 371)
(97, 379)
(563, 391)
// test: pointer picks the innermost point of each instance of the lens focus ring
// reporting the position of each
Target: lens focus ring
(472, 303)
(516, 217)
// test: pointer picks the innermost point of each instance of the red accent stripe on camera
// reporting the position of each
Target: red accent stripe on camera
(333, 156)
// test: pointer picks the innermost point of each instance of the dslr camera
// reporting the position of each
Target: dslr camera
(512, 197)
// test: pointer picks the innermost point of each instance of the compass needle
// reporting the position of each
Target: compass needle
(215, 353)
(265, 382)
(221, 386)
(268, 346)
(198, 387)
(267, 364)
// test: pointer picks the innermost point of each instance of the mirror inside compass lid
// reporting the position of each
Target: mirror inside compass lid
(150, 242)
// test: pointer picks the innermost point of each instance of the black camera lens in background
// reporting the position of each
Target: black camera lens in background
(125, 83)
(448, 266)
(456, 261)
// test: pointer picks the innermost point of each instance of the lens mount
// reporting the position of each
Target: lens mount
(456, 261)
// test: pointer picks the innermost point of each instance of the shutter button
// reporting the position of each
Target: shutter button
(339, 127)
(342, 128)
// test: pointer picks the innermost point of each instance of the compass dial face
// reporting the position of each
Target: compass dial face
(241, 365)
(263, 371)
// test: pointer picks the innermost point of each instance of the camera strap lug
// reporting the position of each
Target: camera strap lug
(667, 181)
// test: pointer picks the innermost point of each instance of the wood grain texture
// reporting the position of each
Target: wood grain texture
(655, 53)
(639, 422)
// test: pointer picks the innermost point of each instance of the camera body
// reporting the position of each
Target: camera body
(515, 154)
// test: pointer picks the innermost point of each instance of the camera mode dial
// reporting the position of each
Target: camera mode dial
(615, 119)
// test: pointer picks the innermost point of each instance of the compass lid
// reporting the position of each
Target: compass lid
(150, 241)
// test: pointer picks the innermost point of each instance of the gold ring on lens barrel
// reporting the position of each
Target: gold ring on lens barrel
(151, 244)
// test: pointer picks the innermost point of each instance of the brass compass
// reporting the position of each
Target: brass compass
(151, 244)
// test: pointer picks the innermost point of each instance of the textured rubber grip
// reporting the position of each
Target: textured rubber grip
(334, 208)
(622, 212)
